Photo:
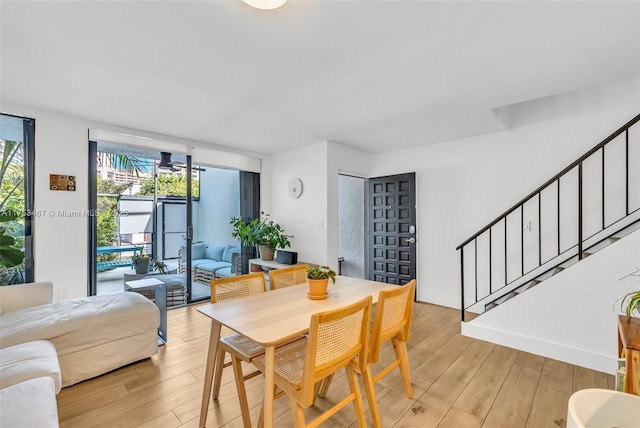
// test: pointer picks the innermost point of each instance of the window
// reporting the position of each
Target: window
(16, 199)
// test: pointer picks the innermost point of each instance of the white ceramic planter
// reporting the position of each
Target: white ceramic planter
(591, 408)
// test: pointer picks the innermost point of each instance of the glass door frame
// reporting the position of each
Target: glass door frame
(28, 160)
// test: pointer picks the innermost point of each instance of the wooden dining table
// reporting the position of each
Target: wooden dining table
(273, 318)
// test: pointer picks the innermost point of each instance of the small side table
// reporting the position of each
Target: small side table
(160, 289)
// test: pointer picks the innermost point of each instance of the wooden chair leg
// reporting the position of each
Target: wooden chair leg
(400, 349)
(324, 388)
(297, 413)
(352, 378)
(367, 380)
(217, 376)
(242, 392)
(261, 418)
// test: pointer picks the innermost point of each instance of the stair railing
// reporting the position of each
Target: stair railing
(487, 293)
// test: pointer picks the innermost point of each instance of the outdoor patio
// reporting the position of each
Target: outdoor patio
(112, 281)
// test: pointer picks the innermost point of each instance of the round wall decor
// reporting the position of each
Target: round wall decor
(295, 188)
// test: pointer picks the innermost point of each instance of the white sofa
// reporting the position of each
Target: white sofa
(29, 381)
(45, 346)
(91, 335)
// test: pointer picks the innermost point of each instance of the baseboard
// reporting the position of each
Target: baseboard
(556, 351)
(438, 299)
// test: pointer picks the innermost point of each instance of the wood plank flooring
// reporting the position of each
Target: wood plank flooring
(458, 382)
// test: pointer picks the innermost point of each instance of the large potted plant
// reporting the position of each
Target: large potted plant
(318, 281)
(260, 232)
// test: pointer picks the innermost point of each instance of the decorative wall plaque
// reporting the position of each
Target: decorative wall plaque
(62, 182)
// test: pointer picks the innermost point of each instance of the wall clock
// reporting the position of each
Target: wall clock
(295, 188)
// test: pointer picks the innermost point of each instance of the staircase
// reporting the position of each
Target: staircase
(587, 206)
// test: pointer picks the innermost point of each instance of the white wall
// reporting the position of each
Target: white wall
(305, 217)
(572, 316)
(464, 184)
(60, 243)
(61, 147)
(312, 218)
(219, 201)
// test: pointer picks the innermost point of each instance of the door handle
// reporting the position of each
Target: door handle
(411, 240)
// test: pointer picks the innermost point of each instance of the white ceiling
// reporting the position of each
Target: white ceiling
(374, 75)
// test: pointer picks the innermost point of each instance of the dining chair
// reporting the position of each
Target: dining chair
(392, 321)
(285, 277)
(237, 346)
(337, 339)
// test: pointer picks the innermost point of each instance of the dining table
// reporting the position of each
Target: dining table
(274, 318)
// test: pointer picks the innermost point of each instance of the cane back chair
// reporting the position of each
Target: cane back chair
(337, 339)
(239, 347)
(285, 277)
(392, 321)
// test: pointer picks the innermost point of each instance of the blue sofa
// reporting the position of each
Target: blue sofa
(210, 261)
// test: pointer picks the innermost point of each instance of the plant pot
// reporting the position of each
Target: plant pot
(317, 288)
(142, 266)
(266, 253)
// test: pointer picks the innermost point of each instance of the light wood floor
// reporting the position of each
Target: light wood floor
(458, 382)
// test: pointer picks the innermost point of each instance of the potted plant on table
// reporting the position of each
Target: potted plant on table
(261, 232)
(318, 281)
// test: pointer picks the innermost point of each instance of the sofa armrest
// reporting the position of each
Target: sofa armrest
(13, 297)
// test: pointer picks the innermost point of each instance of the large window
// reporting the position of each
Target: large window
(16, 199)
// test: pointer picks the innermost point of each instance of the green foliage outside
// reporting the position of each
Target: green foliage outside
(12, 213)
(170, 185)
(106, 217)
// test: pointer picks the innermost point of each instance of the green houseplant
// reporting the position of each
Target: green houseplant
(630, 303)
(318, 280)
(260, 232)
(142, 263)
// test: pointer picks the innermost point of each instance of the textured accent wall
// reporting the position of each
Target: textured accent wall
(351, 231)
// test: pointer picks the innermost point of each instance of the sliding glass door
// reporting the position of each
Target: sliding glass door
(171, 208)
(16, 199)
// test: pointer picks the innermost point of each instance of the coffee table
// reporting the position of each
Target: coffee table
(160, 298)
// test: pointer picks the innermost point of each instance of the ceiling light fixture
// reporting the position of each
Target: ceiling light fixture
(265, 4)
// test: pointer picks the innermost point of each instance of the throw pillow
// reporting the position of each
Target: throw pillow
(228, 252)
(197, 251)
(214, 252)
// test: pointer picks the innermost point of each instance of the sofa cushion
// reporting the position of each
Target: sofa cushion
(196, 262)
(172, 280)
(214, 252)
(29, 360)
(197, 251)
(224, 273)
(229, 250)
(213, 266)
(31, 403)
(78, 324)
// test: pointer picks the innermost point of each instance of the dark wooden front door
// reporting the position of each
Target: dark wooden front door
(392, 230)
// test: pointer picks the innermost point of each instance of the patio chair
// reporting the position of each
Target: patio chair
(239, 347)
(337, 339)
(285, 277)
(392, 321)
